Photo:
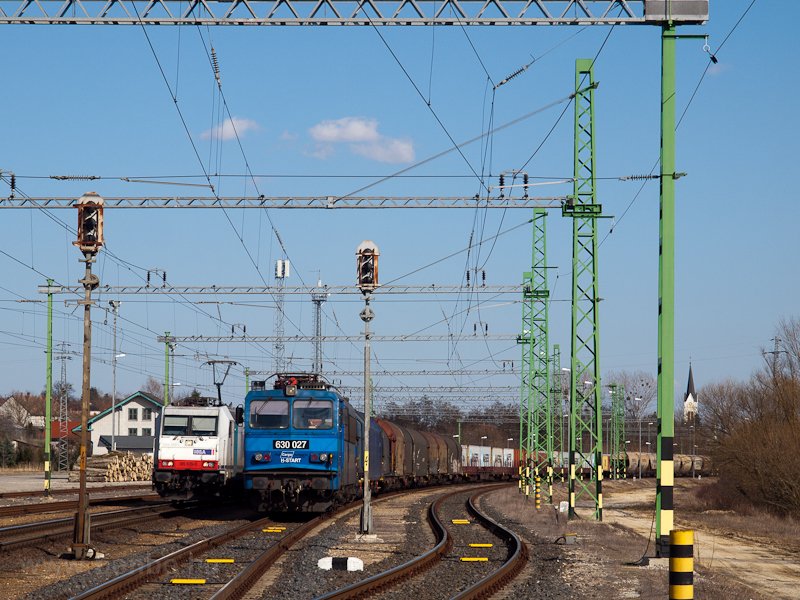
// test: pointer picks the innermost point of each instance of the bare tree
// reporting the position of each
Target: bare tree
(154, 388)
(640, 392)
(756, 427)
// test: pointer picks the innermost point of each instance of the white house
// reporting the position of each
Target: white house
(12, 411)
(134, 417)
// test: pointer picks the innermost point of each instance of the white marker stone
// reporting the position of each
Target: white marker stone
(349, 563)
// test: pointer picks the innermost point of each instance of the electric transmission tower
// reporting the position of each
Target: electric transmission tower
(318, 296)
(586, 424)
(617, 437)
(281, 273)
(557, 410)
(63, 410)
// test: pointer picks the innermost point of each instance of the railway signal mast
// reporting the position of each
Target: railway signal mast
(281, 273)
(90, 240)
(318, 295)
(367, 272)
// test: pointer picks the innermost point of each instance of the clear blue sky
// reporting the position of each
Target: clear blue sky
(312, 102)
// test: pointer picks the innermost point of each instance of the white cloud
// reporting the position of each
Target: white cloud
(346, 129)
(288, 136)
(718, 68)
(387, 150)
(320, 151)
(364, 138)
(229, 129)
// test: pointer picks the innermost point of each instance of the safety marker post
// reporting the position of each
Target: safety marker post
(681, 564)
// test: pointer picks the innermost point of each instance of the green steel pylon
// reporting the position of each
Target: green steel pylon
(536, 433)
(539, 347)
(557, 412)
(525, 393)
(617, 462)
(586, 424)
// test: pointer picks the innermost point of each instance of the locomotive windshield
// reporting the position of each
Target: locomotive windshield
(312, 414)
(176, 425)
(269, 414)
(189, 425)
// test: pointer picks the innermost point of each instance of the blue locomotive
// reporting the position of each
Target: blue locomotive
(303, 446)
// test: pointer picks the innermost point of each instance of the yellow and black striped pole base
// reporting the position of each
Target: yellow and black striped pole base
(681, 565)
(538, 492)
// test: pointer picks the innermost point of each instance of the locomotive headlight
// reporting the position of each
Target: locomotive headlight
(323, 457)
(258, 456)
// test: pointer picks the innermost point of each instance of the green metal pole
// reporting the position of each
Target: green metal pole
(48, 389)
(526, 413)
(166, 368)
(666, 298)
(586, 423)
(538, 352)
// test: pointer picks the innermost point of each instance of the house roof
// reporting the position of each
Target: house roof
(55, 432)
(140, 395)
(128, 442)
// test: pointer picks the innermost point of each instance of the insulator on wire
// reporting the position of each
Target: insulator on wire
(639, 177)
(486, 328)
(467, 277)
(215, 64)
(525, 183)
(13, 185)
(164, 279)
(75, 177)
(502, 185)
(474, 329)
(148, 279)
(483, 275)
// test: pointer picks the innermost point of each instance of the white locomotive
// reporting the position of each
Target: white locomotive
(198, 452)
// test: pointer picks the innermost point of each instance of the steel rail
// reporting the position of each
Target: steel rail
(372, 584)
(17, 510)
(57, 528)
(41, 493)
(123, 584)
(491, 584)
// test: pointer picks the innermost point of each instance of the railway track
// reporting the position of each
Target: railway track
(240, 551)
(8, 495)
(449, 567)
(32, 534)
(140, 581)
(18, 510)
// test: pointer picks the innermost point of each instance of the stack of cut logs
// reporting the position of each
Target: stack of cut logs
(116, 466)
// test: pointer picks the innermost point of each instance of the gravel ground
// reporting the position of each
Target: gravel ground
(124, 549)
(598, 565)
(450, 575)
(402, 533)
(543, 576)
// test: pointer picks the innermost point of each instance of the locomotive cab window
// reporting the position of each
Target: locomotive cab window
(189, 425)
(269, 414)
(312, 414)
(204, 425)
(176, 425)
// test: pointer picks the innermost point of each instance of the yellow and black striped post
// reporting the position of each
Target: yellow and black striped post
(527, 481)
(538, 492)
(681, 564)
